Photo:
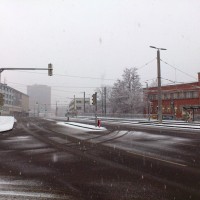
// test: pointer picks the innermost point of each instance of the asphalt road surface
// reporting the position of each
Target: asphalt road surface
(40, 159)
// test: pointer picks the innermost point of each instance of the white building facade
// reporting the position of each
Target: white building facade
(77, 106)
(15, 102)
(39, 99)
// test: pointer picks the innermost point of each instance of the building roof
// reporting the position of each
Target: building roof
(2, 84)
(175, 87)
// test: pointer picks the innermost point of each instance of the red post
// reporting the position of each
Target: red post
(99, 123)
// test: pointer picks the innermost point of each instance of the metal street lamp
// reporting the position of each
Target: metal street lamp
(147, 101)
(45, 109)
(38, 109)
(159, 83)
(56, 108)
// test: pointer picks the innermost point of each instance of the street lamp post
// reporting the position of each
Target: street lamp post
(38, 109)
(84, 102)
(45, 109)
(56, 108)
(147, 102)
(159, 84)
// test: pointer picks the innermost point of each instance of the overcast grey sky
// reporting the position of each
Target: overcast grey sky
(90, 42)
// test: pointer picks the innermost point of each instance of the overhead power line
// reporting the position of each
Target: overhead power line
(174, 82)
(56, 86)
(86, 77)
(142, 66)
(72, 76)
(178, 69)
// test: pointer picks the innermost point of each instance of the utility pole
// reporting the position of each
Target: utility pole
(38, 109)
(45, 109)
(159, 84)
(56, 109)
(74, 104)
(84, 101)
(159, 88)
(147, 102)
(105, 99)
(102, 99)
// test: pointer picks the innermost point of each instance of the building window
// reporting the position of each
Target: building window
(167, 96)
(187, 95)
(176, 95)
(194, 94)
(183, 95)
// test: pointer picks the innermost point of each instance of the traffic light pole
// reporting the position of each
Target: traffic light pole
(96, 101)
(50, 69)
(84, 101)
(105, 100)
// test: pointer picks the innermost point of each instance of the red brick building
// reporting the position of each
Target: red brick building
(177, 100)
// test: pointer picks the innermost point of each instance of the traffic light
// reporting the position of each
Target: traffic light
(94, 98)
(50, 69)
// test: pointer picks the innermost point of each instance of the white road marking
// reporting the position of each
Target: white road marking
(174, 163)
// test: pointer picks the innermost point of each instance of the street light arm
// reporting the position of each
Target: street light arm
(153, 47)
(157, 48)
(162, 49)
(2, 69)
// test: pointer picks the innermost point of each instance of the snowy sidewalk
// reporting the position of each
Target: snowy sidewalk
(81, 126)
(6, 123)
(167, 124)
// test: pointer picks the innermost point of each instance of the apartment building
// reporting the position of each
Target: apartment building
(14, 102)
(76, 106)
(39, 99)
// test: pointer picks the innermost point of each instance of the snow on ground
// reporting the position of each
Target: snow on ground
(189, 126)
(6, 123)
(85, 127)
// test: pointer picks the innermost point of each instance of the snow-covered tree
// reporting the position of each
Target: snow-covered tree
(154, 83)
(126, 95)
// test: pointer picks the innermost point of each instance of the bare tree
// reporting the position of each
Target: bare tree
(103, 98)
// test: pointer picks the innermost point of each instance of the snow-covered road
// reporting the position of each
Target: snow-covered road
(6, 123)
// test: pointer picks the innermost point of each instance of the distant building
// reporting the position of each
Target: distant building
(177, 100)
(39, 99)
(14, 102)
(76, 106)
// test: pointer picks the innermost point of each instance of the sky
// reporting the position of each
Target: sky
(91, 42)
